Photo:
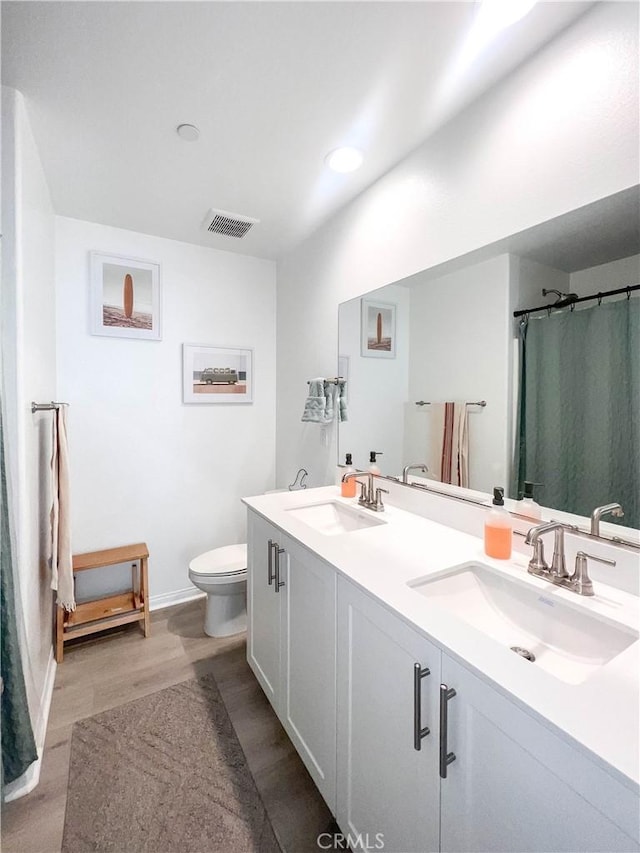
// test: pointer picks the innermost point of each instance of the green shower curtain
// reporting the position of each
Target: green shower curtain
(18, 744)
(579, 410)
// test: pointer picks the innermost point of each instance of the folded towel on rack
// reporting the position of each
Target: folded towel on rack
(315, 404)
(449, 450)
(330, 395)
(60, 515)
(342, 400)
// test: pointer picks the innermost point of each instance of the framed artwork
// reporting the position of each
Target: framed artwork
(378, 329)
(125, 297)
(216, 374)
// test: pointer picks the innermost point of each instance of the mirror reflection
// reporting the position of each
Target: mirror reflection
(561, 385)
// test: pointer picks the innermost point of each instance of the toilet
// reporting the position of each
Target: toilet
(222, 574)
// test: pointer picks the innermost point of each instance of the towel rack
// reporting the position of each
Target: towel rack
(45, 407)
(482, 403)
(333, 380)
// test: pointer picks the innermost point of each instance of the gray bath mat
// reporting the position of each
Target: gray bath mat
(164, 774)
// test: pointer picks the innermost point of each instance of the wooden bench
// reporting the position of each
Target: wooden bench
(99, 614)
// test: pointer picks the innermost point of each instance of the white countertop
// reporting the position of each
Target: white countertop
(602, 714)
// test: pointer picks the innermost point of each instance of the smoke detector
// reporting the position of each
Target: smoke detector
(228, 224)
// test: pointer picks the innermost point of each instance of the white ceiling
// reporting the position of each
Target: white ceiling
(273, 86)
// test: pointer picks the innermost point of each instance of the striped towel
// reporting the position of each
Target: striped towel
(449, 456)
(60, 514)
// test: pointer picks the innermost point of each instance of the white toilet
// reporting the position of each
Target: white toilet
(222, 574)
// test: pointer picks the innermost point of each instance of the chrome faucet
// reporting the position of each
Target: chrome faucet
(599, 511)
(579, 581)
(420, 466)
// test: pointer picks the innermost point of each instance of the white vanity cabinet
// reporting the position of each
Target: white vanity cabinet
(515, 785)
(488, 776)
(388, 687)
(291, 638)
(263, 607)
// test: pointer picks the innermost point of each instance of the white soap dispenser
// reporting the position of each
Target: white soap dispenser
(373, 465)
(527, 506)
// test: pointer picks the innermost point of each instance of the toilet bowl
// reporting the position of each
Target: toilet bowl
(222, 574)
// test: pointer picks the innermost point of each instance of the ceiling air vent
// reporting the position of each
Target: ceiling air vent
(228, 224)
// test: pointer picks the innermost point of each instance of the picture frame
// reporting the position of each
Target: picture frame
(125, 297)
(377, 329)
(213, 374)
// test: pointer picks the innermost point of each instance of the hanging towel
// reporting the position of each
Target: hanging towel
(449, 452)
(330, 395)
(61, 564)
(315, 405)
(342, 400)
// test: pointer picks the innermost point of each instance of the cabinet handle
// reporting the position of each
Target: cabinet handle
(418, 732)
(278, 551)
(271, 573)
(446, 758)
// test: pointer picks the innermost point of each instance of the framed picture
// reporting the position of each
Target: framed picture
(217, 374)
(125, 297)
(378, 329)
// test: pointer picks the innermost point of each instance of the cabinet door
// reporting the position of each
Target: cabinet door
(263, 608)
(515, 785)
(388, 791)
(309, 662)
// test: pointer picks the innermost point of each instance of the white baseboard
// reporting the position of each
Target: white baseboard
(27, 782)
(178, 596)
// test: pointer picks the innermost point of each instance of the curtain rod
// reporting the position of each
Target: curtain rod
(45, 407)
(598, 296)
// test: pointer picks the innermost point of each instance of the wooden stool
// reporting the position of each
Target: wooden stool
(101, 613)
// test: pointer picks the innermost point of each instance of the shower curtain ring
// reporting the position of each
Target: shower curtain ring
(573, 305)
(599, 299)
(628, 294)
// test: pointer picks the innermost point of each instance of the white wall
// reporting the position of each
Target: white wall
(378, 387)
(621, 273)
(460, 351)
(560, 133)
(29, 373)
(144, 466)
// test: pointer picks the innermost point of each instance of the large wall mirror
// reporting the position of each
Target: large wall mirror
(448, 334)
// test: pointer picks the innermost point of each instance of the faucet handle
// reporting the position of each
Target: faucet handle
(537, 564)
(363, 492)
(597, 559)
(379, 505)
(580, 580)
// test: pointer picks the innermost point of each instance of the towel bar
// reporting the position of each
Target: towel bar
(482, 403)
(45, 407)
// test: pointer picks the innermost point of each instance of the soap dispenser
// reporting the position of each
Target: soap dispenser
(373, 465)
(527, 506)
(498, 529)
(348, 487)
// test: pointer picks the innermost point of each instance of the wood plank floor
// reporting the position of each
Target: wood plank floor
(109, 670)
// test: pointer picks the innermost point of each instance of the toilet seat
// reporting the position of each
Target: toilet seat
(221, 565)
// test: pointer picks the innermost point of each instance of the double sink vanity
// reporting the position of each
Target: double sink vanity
(442, 700)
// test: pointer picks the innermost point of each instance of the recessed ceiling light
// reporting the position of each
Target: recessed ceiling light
(344, 159)
(188, 132)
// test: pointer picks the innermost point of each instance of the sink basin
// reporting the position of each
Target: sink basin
(569, 642)
(333, 518)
